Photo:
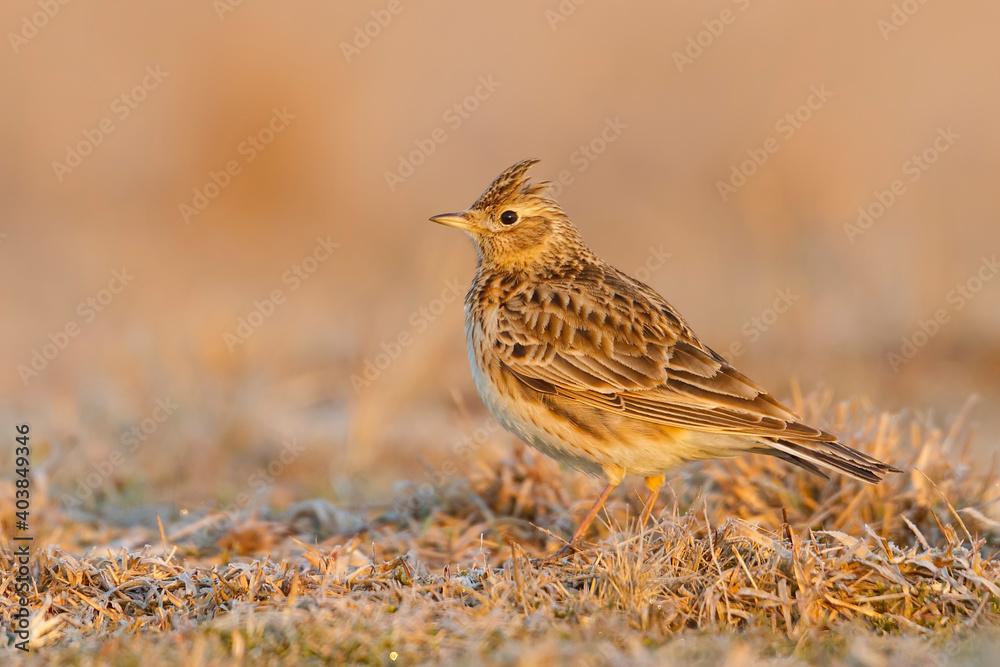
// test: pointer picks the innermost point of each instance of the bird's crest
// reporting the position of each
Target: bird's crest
(511, 183)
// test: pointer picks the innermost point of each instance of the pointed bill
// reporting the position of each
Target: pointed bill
(457, 220)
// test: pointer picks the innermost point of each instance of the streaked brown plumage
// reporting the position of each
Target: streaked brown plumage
(596, 369)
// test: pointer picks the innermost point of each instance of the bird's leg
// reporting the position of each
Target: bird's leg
(587, 520)
(654, 484)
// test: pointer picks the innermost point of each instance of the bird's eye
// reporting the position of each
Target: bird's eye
(508, 217)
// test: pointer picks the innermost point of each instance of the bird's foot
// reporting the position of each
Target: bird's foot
(565, 550)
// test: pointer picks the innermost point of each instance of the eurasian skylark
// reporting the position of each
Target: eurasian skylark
(597, 370)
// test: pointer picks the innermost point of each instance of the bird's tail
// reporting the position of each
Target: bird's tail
(817, 455)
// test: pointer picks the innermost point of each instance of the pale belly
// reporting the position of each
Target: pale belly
(524, 428)
(627, 447)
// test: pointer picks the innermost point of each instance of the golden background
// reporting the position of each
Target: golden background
(530, 79)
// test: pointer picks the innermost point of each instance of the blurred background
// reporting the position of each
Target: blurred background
(218, 281)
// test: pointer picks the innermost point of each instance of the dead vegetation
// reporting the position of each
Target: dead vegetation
(905, 571)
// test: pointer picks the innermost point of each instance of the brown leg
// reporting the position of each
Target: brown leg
(587, 520)
(654, 484)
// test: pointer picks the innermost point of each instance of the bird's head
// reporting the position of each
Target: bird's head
(515, 224)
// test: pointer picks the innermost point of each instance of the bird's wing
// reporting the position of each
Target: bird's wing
(609, 341)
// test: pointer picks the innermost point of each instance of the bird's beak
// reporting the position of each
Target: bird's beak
(456, 220)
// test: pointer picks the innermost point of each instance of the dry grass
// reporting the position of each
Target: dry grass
(905, 571)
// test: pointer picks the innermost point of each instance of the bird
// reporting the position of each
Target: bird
(595, 369)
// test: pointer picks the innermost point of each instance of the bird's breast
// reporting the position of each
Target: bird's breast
(512, 404)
